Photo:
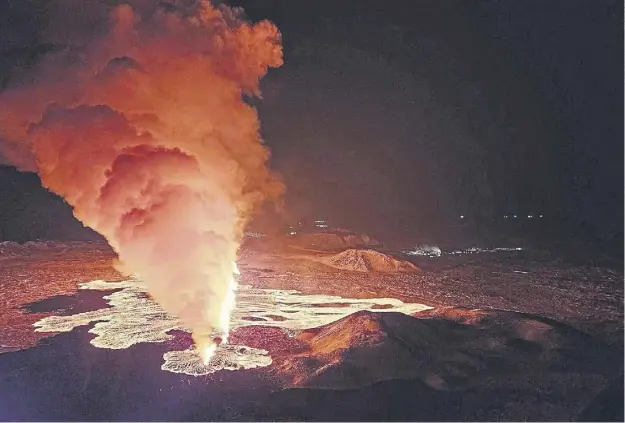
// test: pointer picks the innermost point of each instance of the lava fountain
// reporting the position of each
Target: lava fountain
(136, 117)
(207, 343)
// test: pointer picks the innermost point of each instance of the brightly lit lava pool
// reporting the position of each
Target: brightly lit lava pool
(134, 318)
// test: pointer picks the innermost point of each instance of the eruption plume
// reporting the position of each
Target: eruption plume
(136, 118)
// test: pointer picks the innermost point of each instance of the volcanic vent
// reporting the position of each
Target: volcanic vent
(137, 119)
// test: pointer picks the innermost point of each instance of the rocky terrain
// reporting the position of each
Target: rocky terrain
(333, 240)
(514, 335)
(539, 368)
(367, 261)
(447, 348)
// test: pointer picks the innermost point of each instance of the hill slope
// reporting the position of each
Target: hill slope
(518, 357)
(367, 261)
(332, 240)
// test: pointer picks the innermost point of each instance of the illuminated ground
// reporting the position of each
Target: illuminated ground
(133, 318)
(54, 319)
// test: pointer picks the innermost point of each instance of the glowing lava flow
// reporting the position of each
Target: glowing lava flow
(132, 317)
(224, 319)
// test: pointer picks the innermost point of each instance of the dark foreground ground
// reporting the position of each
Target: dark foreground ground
(66, 379)
(63, 377)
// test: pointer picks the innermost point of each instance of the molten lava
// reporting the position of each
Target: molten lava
(208, 352)
(136, 118)
(207, 344)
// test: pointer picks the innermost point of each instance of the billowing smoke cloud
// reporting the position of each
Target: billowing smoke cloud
(136, 117)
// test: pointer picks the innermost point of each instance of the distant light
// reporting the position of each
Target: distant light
(515, 216)
(293, 233)
(505, 216)
(321, 226)
(541, 216)
(461, 216)
(529, 216)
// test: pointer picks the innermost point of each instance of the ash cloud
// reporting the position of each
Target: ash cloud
(136, 118)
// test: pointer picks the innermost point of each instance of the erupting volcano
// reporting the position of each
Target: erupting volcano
(137, 119)
(449, 247)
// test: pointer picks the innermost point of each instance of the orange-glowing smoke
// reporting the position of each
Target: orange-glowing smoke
(137, 120)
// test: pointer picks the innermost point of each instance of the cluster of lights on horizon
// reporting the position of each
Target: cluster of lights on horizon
(319, 223)
(529, 216)
(513, 216)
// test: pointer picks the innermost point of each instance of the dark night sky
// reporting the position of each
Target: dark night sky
(404, 115)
